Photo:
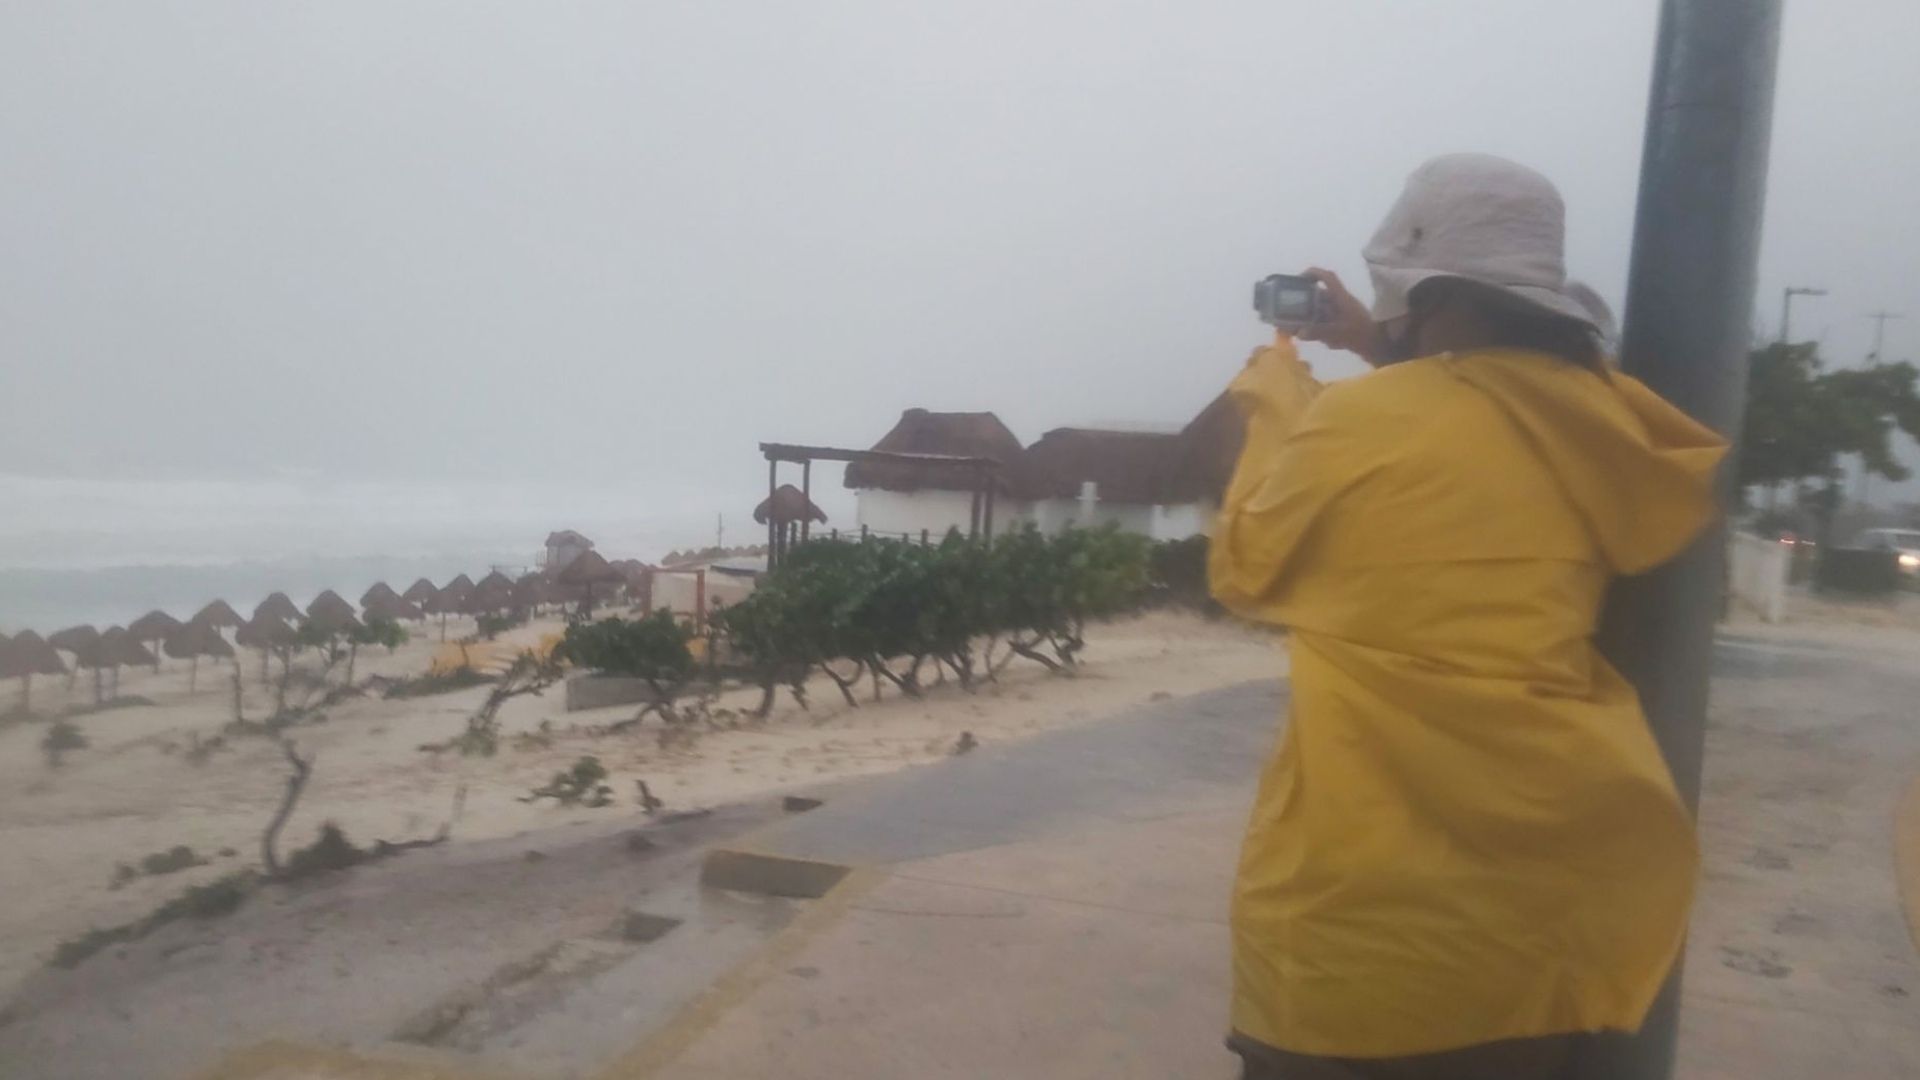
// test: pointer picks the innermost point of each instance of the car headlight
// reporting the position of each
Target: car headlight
(1909, 562)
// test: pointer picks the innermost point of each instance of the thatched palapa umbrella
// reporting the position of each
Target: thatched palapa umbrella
(279, 606)
(27, 654)
(266, 633)
(154, 626)
(330, 611)
(587, 571)
(219, 615)
(530, 592)
(451, 599)
(420, 592)
(193, 641)
(76, 640)
(493, 593)
(394, 607)
(114, 649)
(379, 590)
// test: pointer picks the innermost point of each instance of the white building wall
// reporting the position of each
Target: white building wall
(908, 512)
(1181, 520)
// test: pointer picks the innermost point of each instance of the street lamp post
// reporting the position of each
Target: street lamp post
(1786, 306)
(1689, 325)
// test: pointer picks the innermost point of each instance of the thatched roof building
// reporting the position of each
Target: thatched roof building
(949, 434)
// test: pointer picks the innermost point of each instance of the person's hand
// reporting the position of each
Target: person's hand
(1349, 324)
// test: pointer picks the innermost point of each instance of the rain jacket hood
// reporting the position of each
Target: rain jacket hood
(1637, 470)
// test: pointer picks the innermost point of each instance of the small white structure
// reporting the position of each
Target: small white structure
(1757, 570)
(1164, 485)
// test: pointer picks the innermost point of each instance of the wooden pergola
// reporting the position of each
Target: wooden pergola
(979, 471)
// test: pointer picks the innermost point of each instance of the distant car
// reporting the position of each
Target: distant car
(1904, 542)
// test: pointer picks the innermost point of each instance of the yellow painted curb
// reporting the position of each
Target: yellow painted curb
(279, 1059)
(1906, 855)
(698, 1016)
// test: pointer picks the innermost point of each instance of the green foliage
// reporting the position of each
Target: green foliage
(653, 647)
(62, 737)
(444, 682)
(1802, 419)
(492, 624)
(378, 630)
(879, 601)
(221, 896)
(331, 850)
(582, 785)
(1178, 571)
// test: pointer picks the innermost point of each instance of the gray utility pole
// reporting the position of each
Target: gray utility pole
(1696, 242)
(1786, 303)
(1880, 331)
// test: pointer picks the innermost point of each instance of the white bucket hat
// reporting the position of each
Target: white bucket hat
(1477, 217)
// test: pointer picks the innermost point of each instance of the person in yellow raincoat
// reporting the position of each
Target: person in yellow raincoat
(1466, 853)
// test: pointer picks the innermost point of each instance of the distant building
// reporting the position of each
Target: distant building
(1163, 485)
(562, 548)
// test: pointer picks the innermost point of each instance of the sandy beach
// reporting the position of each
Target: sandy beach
(138, 789)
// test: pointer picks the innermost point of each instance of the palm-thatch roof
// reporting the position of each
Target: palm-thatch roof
(462, 582)
(420, 592)
(393, 607)
(590, 568)
(788, 503)
(28, 654)
(279, 606)
(379, 590)
(116, 648)
(949, 434)
(330, 611)
(218, 614)
(153, 626)
(1210, 447)
(265, 631)
(74, 639)
(196, 639)
(531, 591)
(1126, 466)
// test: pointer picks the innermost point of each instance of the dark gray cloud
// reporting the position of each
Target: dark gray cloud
(463, 241)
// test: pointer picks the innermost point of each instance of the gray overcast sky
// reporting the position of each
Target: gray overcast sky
(451, 241)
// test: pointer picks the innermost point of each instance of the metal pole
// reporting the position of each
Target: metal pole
(1696, 242)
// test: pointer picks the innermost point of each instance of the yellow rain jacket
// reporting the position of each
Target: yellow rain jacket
(1467, 833)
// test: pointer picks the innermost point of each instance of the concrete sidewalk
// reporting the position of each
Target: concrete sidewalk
(1057, 909)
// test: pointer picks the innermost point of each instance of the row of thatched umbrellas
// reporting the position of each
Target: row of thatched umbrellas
(275, 620)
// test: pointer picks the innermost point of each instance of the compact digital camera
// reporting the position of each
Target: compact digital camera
(1289, 302)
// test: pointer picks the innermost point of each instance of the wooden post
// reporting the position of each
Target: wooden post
(973, 514)
(806, 489)
(863, 532)
(925, 538)
(773, 520)
(700, 601)
(987, 517)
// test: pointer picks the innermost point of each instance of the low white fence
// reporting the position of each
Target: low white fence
(1757, 571)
